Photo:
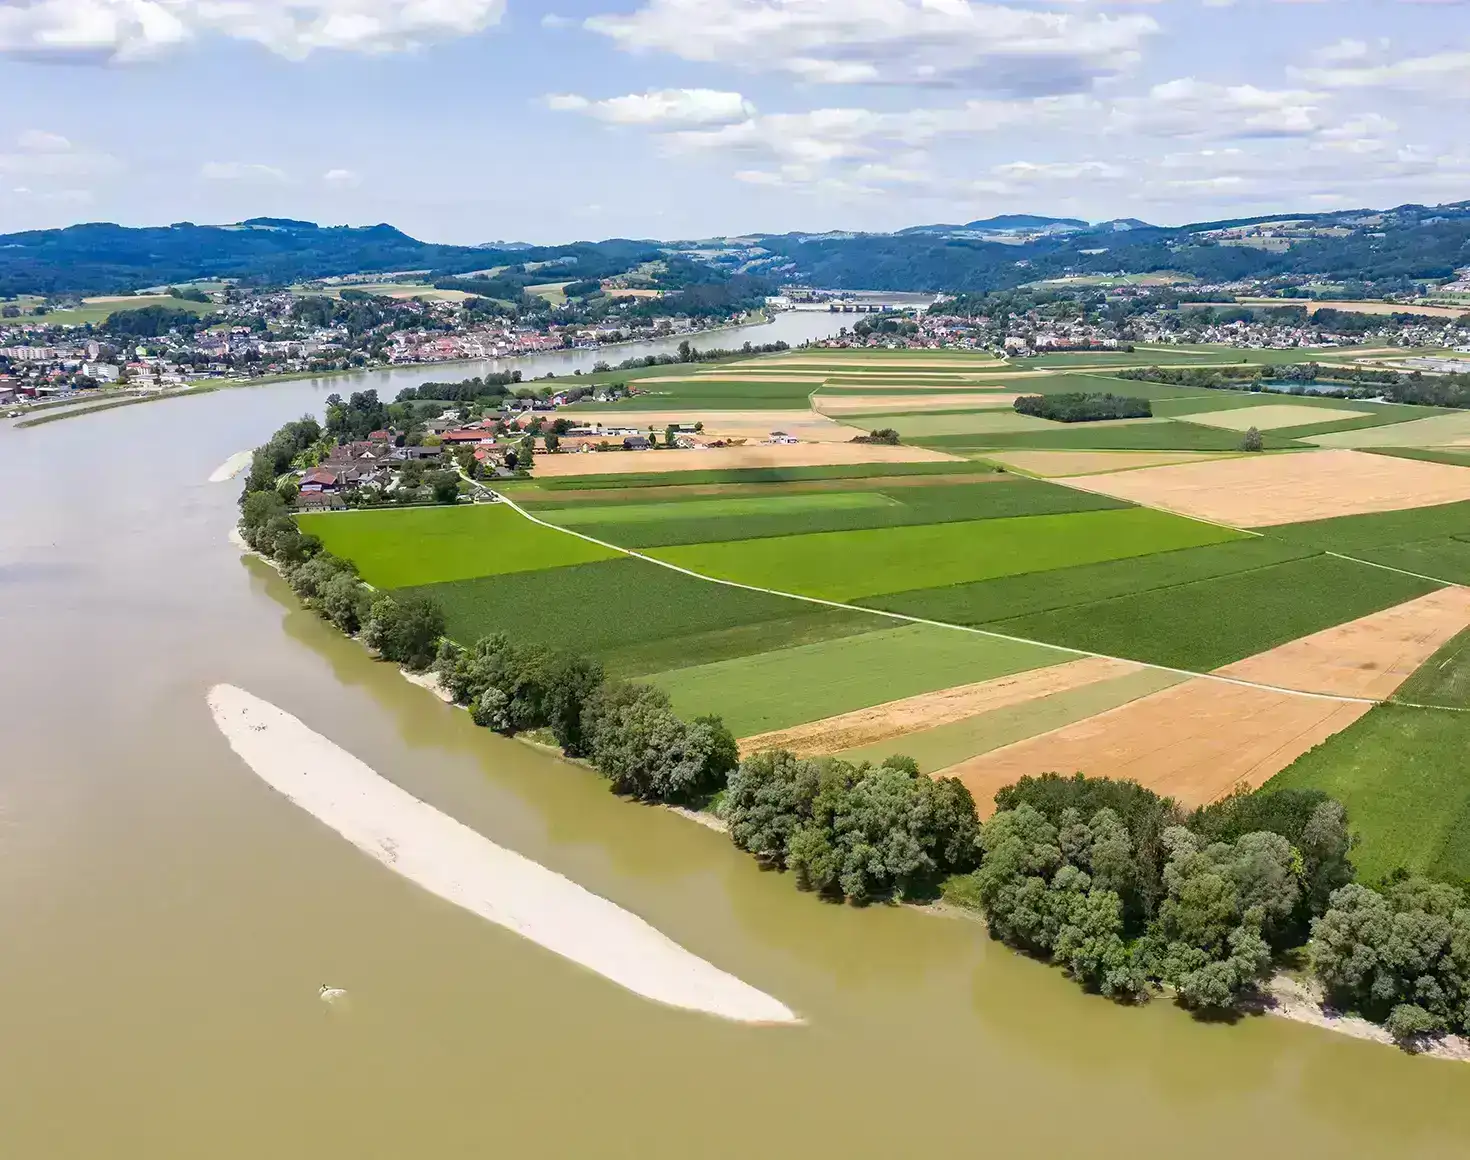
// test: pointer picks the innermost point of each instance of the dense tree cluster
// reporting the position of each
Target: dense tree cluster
(355, 418)
(1400, 955)
(152, 322)
(1123, 889)
(495, 385)
(1083, 407)
(272, 459)
(1449, 390)
(627, 731)
(855, 831)
(688, 353)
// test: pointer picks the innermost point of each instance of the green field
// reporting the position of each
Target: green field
(1444, 679)
(1208, 623)
(855, 564)
(987, 601)
(786, 687)
(1120, 435)
(1404, 777)
(400, 548)
(602, 607)
(96, 312)
(1450, 455)
(531, 498)
(1432, 541)
(753, 517)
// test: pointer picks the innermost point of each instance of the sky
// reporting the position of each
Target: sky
(469, 121)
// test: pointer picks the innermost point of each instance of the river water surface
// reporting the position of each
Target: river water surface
(167, 919)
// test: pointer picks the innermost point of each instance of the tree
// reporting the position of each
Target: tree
(769, 797)
(405, 629)
(444, 485)
(1251, 440)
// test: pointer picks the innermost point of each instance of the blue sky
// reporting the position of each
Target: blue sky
(471, 120)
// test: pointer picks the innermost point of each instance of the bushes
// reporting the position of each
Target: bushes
(1083, 407)
(853, 831)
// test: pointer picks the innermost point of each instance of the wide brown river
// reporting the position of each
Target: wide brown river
(167, 919)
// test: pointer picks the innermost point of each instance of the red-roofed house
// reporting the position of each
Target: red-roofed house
(318, 479)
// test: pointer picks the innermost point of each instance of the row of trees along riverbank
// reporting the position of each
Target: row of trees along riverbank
(1128, 892)
(1409, 387)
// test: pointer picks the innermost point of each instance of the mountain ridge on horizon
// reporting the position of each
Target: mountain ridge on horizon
(1408, 241)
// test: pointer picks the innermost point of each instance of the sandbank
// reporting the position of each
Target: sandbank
(454, 862)
(231, 467)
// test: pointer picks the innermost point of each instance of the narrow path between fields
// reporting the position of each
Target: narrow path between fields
(959, 627)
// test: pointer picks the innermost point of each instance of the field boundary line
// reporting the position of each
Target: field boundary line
(1391, 568)
(1340, 698)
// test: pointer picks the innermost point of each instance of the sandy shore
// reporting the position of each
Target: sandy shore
(454, 862)
(231, 467)
(1289, 999)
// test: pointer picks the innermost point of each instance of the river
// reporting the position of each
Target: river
(168, 919)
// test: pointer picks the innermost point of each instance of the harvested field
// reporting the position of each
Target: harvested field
(830, 404)
(897, 718)
(945, 745)
(1195, 742)
(1271, 416)
(751, 425)
(732, 458)
(1368, 657)
(1265, 490)
(1055, 464)
(853, 565)
(1435, 431)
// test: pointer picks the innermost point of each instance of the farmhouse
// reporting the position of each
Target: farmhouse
(318, 479)
(636, 443)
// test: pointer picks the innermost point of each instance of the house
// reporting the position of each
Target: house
(319, 501)
(318, 480)
(465, 435)
(492, 456)
(403, 454)
(636, 443)
(782, 437)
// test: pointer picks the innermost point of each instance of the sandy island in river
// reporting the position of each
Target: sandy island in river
(446, 858)
(231, 467)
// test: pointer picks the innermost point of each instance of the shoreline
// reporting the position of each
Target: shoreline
(1282, 997)
(223, 383)
(458, 864)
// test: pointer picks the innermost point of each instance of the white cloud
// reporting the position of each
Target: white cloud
(1445, 74)
(915, 42)
(129, 30)
(40, 154)
(344, 178)
(1032, 173)
(242, 171)
(1192, 108)
(662, 108)
(1342, 52)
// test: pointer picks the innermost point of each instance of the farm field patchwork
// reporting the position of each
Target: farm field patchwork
(744, 518)
(1194, 741)
(1207, 623)
(855, 564)
(1444, 679)
(751, 475)
(753, 425)
(785, 687)
(706, 394)
(757, 455)
(844, 406)
(1059, 464)
(955, 423)
(880, 723)
(399, 548)
(947, 745)
(1118, 435)
(1266, 490)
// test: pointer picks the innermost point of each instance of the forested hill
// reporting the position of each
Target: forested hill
(101, 258)
(1385, 250)
(1380, 248)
